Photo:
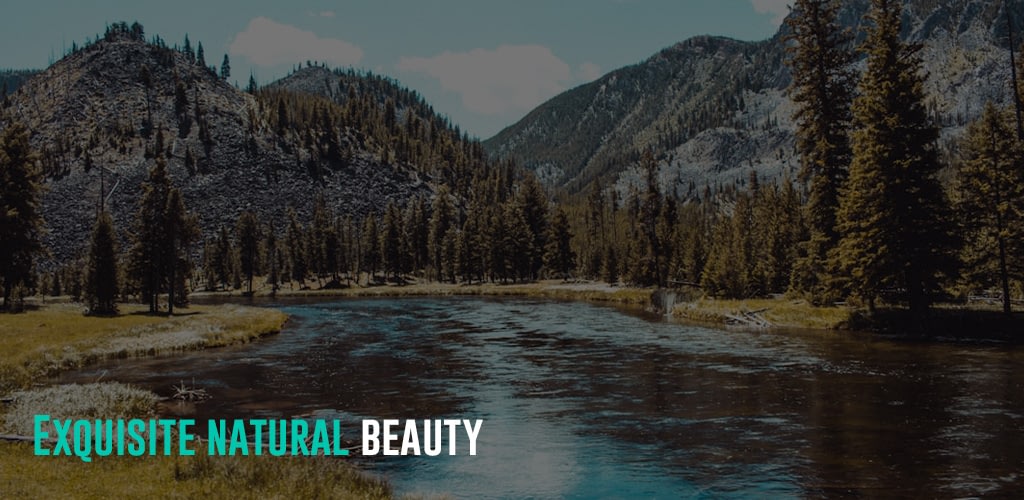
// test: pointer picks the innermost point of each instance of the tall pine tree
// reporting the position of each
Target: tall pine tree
(101, 270)
(893, 212)
(989, 198)
(819, 57)
(21, 224)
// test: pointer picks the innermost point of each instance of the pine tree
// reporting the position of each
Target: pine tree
(441, 221)
(222, 257)
(101, 270)
(200, 55)
(989, 192)
(596, 246)
(225, 68)
(252, 87)
(534, 203)
(417, 231)
(391, 241)
(892, 217)
(558, 256)
(163, 232)
(646, 255)
(187, 50)
(371, 246)
(21, 224)
(295, 243)
(247, 240)
(274, 260)
(822, 88)
(180, 231)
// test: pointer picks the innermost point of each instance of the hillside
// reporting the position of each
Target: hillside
(713, 109)
(101, 115)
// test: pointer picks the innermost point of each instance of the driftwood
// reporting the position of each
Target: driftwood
(750, 319)
(185, 393)
(17, 439)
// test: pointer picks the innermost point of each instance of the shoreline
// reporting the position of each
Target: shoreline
(944, 322)
(57, 337)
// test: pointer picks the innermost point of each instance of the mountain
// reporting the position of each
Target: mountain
(713, 109)
(102, 114)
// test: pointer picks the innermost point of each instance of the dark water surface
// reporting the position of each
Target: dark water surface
(580, 400)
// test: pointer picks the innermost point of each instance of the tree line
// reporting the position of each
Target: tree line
(870, 218)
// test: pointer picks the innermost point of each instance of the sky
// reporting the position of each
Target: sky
(483, 63)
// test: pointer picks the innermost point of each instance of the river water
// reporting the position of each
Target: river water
(583, 401)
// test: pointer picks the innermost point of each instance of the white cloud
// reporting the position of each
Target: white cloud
(509, 78)
(778, 7)
(588, 72)
(327, 13)
(266, 42)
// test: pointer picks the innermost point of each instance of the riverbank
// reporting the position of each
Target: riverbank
(766, 313)
(55, 337)
(548, 289)
(776, 313)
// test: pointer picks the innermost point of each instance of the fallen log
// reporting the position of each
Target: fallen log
(14, 438)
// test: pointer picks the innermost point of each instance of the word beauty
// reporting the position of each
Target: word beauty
(382, 437)
(275, 437)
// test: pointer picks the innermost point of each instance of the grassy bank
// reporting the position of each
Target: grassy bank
(55, 337)
(776, 313)
(23, 475)
(550, 289)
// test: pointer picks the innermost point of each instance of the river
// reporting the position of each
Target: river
(580, 400)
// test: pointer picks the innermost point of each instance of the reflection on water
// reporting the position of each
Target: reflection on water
(582, 401)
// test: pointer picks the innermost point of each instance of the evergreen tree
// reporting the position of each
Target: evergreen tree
(517, 244)
(274, 260)
(391, 241)
(187, 50)
(558, 256)
(21, 224)
(252, 87)
(989, 192)
(296, 249)
(534, 203)
(180, 231)
(247, 240)
(163, 232)
(101, 271)
(646, 255)
(223, 261)
(200, 55)
(822, 88)
(371, 246)
(417, 231)
(892, 216)
(225, 68)
(441, 222)
(322, 249)
(596, 247)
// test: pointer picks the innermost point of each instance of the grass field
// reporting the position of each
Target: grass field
(24, 475)
(55, 337)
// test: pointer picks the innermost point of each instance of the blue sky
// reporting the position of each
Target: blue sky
(483, 63)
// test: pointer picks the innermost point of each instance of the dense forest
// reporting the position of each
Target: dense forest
(876, 216)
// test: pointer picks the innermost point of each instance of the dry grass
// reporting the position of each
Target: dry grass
(779, 312)
(552, 289)
(23, 475)
(111, 400)
(58, 337)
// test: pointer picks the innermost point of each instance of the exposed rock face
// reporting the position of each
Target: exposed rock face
(99, 114)
(712, 109)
